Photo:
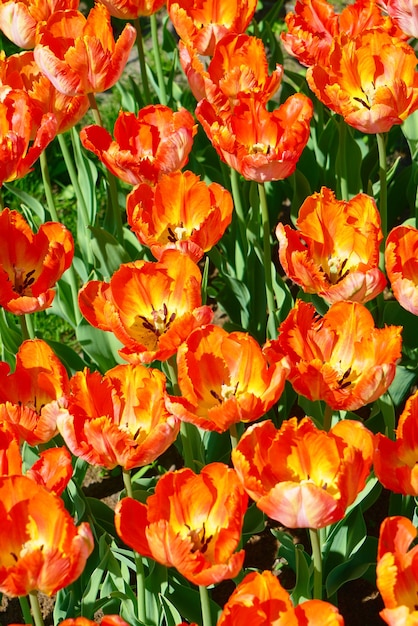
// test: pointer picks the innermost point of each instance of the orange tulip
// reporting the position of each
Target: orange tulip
(260, 599)
(53, 470)
(119, 418)
(335, 251)
(10, 457)
(17, 150)
(156, 141)
(193, 522)
(404, 14)
(301, 476)
(179, 211)
(239, 65)
(21, 72)
(32, 397)
(131, 9)
(340, 358)
(260, 145)
(397, 571)
(38, 551)
(401, 263)
(107, 620)
(203, 24)
(79, 55)
(31, 264)
(21, 19)
(314, 25)
(396, 462)
(370, 80)
(224, 378)
(150, 307)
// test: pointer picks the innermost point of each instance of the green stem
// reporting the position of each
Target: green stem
(24, 605)
(317, 563)
(157, 58)
(54, 216)
(140, 573)
(233, 434)
(1, 200)
(36, 609)
(114, 215)
(47, 187)
(142, 64)
(205, 605)
(381, 147)
(72, 172)
(342, 162)
(328, 413)
(271, 306)
(26, 326)
(236, 194)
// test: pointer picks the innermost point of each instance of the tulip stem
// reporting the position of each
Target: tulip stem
(268, 277)
(242, 231)
(157, 59)
(205, 604)
(381, 147)
(36, 609)
(114, 215)
(142, 64)
(328, 413)
(317, 562)
(26, 326)
(24, 605)
(54, 216)
(233, 434)
(139, 565)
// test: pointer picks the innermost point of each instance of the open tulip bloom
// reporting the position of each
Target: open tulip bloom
(193, 522)
(335, 250)
(401, 261)
(301, 476)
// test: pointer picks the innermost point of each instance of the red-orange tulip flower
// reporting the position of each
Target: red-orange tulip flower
(33, 395)
(340, 358)
(193, 522)
(203, 24)
(224, 378)
(17, 118)
(396, 462)
(131, 9)
(397, 571)
(404, 14)
(335, 250)
(301, 476)
(20, 71)
(10, 457)
(79, 55)
(239, 65)
(260, 599)
(106, 620)
(154, 142)
(53, 470)
(38, 551)
(119, 418)
(259, 144)
(31, 264)
(180, 211)
(21, 19)
(401, 261)
(150, 307)
(370, 80)
(314, 24)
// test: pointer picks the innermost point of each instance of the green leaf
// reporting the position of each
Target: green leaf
(101, 346)
(29, 206)
(107, 251)
(355, 567)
